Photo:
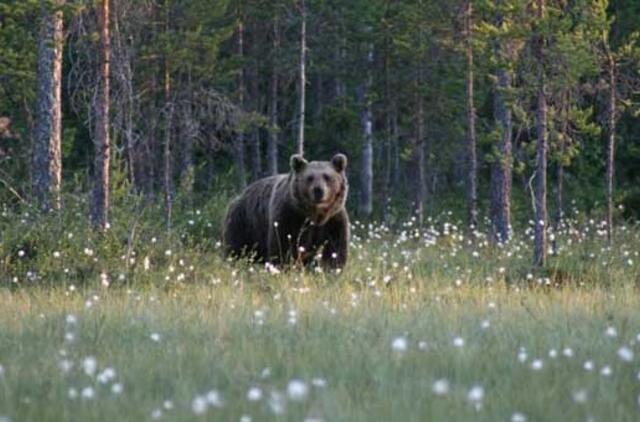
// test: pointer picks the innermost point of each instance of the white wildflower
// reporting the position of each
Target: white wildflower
(214, 398)
(89, 365)
(518, 417)
(580, 396)
(475, 394)
(254, 394)
(399, 344)
(297, 390)
(625, 353)
(88, 393)
(199, 405)
(117, 388)
(440, 387)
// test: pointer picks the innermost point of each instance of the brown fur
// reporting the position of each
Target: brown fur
(291, 217)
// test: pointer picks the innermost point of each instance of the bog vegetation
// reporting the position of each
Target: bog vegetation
(424, 323)
(493, 151)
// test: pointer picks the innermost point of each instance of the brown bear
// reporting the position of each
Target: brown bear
(289, 218)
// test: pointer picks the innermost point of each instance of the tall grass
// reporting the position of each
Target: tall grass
(426, 323)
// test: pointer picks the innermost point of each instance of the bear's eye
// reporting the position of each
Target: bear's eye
(326, 177)
(310, 178)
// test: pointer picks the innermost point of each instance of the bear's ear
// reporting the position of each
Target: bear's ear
(339, 162)
(298, 163)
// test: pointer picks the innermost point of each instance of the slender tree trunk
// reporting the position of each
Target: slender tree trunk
(256, 156)
(47, 156)
(189, 127)
(366, 171)
(611, 139)
(395, 146)
(150, 151)
(100, 199)
(472, 161)
(501, 177)
(187, 174)
(169, 108)
(559, 215)
(272, 146)
(387, 157)
(303, 78)
(339, 64)
(239, 140)
(121, 60)
(167, 168)
(540, 231)
(418, 147)
(418, 151)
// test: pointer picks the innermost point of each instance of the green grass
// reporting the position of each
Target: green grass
(188, 323)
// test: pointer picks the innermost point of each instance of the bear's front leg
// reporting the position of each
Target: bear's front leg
(274, 247)
(336, 249)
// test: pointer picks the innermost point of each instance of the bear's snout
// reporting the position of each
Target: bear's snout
(318, 194)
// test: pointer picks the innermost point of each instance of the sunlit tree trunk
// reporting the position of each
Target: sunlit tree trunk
(472, 161)
(611, 139)
(559, 189)
(501, 176)
(418, 152)
(540, 230)
(303, 78)
(47, 156)
(366, 170)
(100, 197)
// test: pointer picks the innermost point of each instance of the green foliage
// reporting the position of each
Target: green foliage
(174, 321)
(195, 43)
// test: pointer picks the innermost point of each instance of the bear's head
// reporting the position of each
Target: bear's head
(319, 188)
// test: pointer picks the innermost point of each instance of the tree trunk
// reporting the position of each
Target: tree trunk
(559, 215)
(472, 161)
(47, 156)
(501, 178)
(167, 167)
(387, 152)
(611, 138)
(395, 146)
(418, 152)
(303, 78)
(168, 108)
(100, 199)
(256, 156)
(187, 173)
(238, 142)
(540, 231)
(150, 152)
(366, 171)
(190, 130)
(121, 61)
(272, 146)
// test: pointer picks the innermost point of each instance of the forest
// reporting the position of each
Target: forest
(470, 105)
(493, 152)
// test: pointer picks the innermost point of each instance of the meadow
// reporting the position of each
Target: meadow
(429, 323)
